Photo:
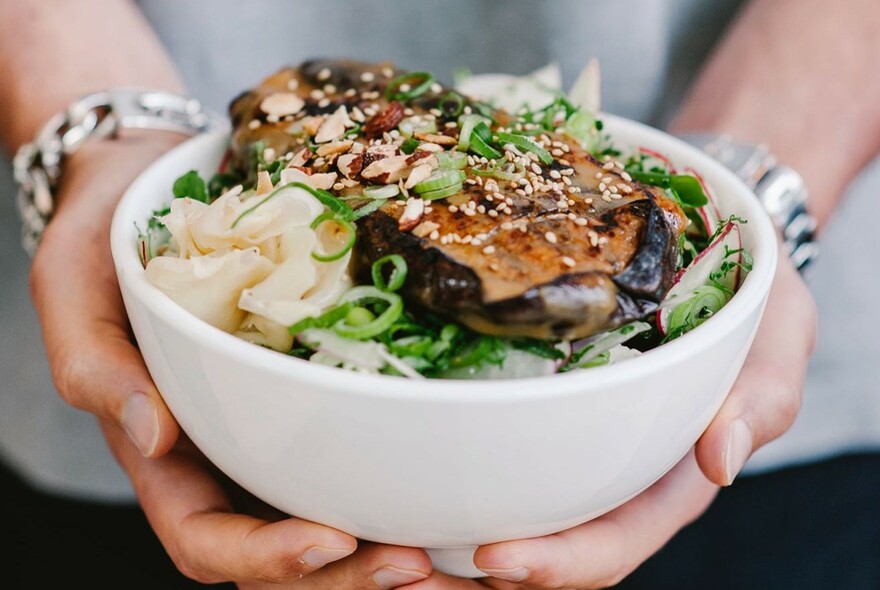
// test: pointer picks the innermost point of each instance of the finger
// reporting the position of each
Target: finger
(372, 567)
(766, 396)
(95, 366)
(192, 516)
(600, 553)
(441, 581)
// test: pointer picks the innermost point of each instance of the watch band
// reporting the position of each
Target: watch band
(780, 189)
(37, 166)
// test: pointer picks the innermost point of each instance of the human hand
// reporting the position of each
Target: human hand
(761, 406)
(98, 369)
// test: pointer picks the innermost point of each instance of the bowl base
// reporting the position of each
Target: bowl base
(455, 561)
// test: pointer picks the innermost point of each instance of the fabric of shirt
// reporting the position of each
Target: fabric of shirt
(648, 50)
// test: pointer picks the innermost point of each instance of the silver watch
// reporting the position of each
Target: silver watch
(37, 166)
(779, 188)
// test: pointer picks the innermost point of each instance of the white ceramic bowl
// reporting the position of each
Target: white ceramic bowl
(445, 465)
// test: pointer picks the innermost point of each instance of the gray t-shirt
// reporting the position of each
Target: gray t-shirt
(649, 50)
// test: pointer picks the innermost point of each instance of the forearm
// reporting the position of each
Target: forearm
(802, 76)
(53, 51)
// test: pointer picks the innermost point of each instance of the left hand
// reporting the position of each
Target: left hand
(761, 406)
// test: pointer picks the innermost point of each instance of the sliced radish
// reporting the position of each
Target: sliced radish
(663, 159)
(698, 272)
(709, 213)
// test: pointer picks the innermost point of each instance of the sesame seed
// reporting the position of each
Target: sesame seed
(535, 168)
(555, 174)
(350, 92)
(550, 237)
(481, 209)
(489, 250)
(324, 74)
(324, 102)
(387, 72)
(581, 221)
(567, 261)
(506, 225)
(493, 213)
(602, 186)
(434, 235)
(330, 89)
(292, 84)
(255, 124)
(368, 77)
(453, 208)
(338, 186)
(626, 176)
(316, 94)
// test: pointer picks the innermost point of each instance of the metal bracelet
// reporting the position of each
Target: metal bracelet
(37, 166)
(780, 189)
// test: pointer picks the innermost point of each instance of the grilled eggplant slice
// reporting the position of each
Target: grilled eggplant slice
(543, 241)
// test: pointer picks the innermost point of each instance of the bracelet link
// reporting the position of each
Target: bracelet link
(37, 166)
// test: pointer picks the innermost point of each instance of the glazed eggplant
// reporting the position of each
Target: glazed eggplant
(506, 227)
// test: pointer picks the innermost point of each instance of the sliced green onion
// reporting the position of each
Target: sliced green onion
(466, 124)
(703, 304)
(418, 82)
(449, 160)
(362, 296)
(497, 172)
(439, 180)
(385, 191)
(398, 273)
(452, 104)
(524, 143)
(417, 124)
(359, 316)
(442, 193)
(325, 320)
(480, 142)
(370, 207)
(349, 243)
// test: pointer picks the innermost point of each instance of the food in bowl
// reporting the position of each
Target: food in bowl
(375, 220)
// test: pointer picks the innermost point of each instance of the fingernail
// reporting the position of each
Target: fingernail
(141, 423)
(515, 574)
(392, 577)
(739, 447)
(321, 556)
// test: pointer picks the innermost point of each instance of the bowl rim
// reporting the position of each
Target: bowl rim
(751, 295)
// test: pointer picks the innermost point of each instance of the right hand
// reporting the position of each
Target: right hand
(97, 368)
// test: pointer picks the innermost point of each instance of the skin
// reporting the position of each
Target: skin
(212, 532)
